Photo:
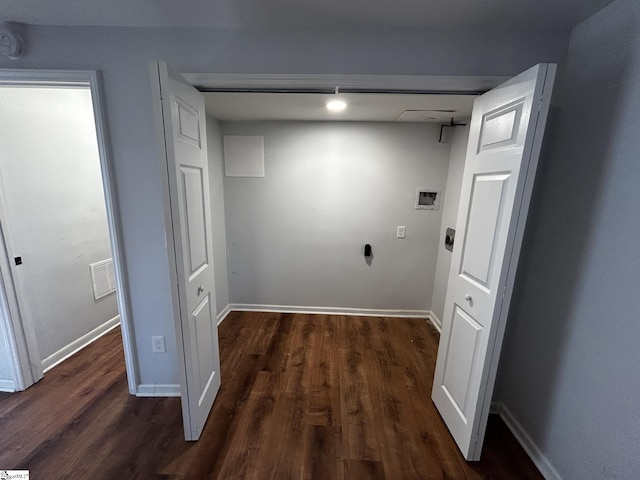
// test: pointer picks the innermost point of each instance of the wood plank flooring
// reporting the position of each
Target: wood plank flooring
(302, 397)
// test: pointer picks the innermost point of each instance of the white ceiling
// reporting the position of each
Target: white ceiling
(529, 14)
(234, 106)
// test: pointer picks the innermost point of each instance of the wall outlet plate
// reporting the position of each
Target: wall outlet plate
(158, 344)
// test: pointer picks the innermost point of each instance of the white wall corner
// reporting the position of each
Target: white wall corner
(158, 390)
(435, 321)
(535, 453)
(77, 345)
(223, 314)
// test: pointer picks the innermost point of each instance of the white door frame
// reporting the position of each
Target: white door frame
(19, 329)
(292, 82)
(438, 84)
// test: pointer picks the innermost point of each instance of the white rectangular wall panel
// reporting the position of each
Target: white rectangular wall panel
(244, 155)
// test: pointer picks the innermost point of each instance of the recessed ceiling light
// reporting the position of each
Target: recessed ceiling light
(336, 105)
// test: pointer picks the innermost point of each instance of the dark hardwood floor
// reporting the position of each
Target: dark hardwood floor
(302, 397)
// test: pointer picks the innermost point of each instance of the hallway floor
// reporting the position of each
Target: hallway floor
(302, 396)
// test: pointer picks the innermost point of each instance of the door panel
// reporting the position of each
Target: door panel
(485, 209)
(203, 324)
(193, 191)
(506, 131)
(183, 117)
(500, 126)
(461, 355)
(188, 123)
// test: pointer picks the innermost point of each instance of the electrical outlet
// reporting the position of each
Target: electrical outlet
(400, 231)
(158, 344)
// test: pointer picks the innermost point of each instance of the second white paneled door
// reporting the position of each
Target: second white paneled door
(183, 114)
(506, 132)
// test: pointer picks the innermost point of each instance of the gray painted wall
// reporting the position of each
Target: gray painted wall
(449, 216)
(216, 190)
(55, 211)
(122, 56)
(297, 236)
(569, 369)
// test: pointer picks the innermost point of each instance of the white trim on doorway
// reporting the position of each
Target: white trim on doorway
(21, 339)
(18, 373)
(158, 390)
(25, 349)
(7, 385)
(294, 82)
(309, 82)
(365, 83)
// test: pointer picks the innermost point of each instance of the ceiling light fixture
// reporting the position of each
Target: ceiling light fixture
(336, 105)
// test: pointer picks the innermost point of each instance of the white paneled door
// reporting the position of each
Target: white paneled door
(183, 113)
(506, 132)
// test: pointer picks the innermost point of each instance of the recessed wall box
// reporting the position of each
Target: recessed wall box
(427, 199)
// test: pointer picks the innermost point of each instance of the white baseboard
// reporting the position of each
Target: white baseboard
(435, 321)
(223, 314)
(7, 385)
(363, 312)
(158, 390)
(77, 345)
(535, 454)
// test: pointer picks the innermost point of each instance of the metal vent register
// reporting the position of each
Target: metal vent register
(103, 278)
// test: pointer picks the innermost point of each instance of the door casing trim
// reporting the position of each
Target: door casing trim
(23, 346)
